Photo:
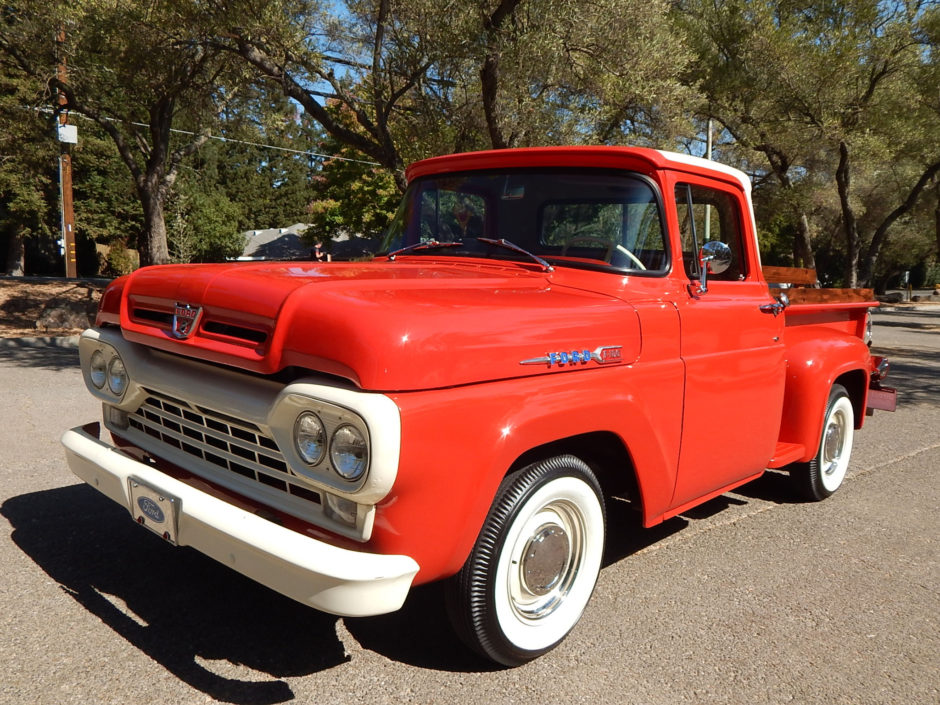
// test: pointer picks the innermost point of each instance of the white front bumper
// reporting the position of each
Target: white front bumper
(331, 579)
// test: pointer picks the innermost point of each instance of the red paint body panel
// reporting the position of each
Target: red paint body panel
(708, 391)
(816, 359)
(384, 325)
(443, 493)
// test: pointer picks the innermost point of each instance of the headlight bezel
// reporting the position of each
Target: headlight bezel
(284, 423)
(105, 372)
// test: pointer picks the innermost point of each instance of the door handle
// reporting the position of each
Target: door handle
(777, 307)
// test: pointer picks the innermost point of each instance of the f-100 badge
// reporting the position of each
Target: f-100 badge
(604, 355)
(185, 319)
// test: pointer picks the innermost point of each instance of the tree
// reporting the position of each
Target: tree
(558, 71)
(265, 162)
(135, 85)
(420, 78)
(350, 196)
(739, 46)
(829, 91)
(202, 224)
(28, 189)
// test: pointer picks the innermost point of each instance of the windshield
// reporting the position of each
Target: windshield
(595, 219)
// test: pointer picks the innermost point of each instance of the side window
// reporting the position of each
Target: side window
(711, 215)
(448, 216)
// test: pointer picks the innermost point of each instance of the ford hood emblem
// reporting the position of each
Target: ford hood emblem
(185, 320)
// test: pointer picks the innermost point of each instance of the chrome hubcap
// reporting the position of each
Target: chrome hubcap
(544, 559)
(833, 442)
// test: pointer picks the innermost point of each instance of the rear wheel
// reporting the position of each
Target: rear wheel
(535, 563)
(823, 475)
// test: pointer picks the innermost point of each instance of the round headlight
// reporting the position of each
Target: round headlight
(310, 438)
(98, 369)
(349, 453)
(117, 376)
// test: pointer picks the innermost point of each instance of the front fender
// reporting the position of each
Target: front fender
(458, 444)
(814, 362)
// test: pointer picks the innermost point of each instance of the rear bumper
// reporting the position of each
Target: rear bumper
(882, 399)
(331, 579)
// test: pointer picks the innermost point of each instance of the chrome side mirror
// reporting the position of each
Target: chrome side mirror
(715, 256)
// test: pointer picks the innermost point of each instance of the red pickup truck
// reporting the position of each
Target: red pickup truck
(541, 330)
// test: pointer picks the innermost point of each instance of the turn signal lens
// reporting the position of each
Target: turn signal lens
(341, 509)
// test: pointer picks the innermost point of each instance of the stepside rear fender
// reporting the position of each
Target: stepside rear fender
(816, 359)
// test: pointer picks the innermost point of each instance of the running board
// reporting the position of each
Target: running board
(786, 453)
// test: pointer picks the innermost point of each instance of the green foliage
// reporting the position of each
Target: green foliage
(350, 198)
(106, 206)
(119, 261)
(203, 223)
(837, 101)
(28, 182)
(832, 107)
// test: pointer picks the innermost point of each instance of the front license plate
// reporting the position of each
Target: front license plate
(154, 509)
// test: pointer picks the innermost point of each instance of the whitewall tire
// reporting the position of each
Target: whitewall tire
(824, 474)
(534, 566)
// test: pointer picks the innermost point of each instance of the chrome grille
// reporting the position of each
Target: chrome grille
(235, 446)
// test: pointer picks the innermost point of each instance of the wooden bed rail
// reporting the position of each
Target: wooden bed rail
(802, 287)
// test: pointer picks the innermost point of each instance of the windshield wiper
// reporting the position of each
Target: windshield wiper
(431, 244)
(503, 242)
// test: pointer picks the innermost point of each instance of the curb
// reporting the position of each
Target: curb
(916, 306)
(47, 341)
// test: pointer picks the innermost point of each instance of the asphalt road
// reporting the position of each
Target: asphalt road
(752, 598)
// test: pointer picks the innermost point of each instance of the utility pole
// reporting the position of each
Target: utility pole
(67, 135)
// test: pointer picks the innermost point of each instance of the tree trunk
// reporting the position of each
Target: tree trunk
(880, 236)
(849, 222)
(489, 84)
(16, 255)
(936, 215)
(153, 241)
(489, 72)
(803, 247)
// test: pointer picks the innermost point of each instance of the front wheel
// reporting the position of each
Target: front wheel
(534, 565)
(823, 475)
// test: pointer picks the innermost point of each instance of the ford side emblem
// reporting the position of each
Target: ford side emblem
(604, 355)
(185, 319)
(151, 509)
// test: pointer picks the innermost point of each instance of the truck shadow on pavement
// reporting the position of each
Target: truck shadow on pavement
(221, 633)
(186, 611)
(38, 354)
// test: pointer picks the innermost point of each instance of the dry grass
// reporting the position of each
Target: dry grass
(30, 308)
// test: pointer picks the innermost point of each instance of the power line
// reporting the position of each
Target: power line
(318, 155)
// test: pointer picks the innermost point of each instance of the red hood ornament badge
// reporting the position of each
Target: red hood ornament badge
(185, 320)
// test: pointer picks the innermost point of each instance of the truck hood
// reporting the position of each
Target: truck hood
(389, 326)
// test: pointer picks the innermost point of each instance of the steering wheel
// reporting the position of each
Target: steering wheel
(636, 260)
(589, 241)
